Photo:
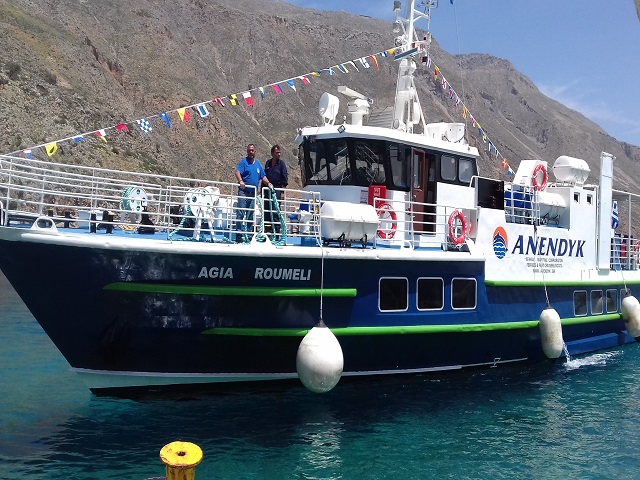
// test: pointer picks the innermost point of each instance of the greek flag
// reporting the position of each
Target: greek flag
(614, 215)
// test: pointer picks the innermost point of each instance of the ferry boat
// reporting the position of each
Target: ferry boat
(395, 246)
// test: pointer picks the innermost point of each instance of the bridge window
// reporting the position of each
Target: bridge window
(430, 294)
(317, 171)
(465, 172)
(463, 293)
(393, 294)
(338, 160)
(369, 163)
(448, 168)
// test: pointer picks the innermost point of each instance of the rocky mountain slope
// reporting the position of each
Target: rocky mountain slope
(74, 66)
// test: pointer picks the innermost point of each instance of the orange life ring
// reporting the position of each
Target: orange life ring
(387, 214)
(534, 177)
(456, 238)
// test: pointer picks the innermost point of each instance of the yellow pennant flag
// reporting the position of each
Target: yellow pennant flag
(51, 148)
(464, 112)
(184, 114)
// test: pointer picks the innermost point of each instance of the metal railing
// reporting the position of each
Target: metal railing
(77, 198)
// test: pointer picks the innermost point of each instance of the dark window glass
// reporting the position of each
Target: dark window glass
(318, 163)
(394, 294)
(580, 302)
(596, 302)
(430, 293)
(399, 165)
(369, 163)
(465, 170)
(417, 170)
(448, 168)
(338, 158)
(612, 301)
(463, 293)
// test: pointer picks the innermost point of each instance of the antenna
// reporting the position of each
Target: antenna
(407, 111)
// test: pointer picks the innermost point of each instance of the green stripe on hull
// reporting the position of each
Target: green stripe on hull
(230, 291)
(406, 330)
(559, 283)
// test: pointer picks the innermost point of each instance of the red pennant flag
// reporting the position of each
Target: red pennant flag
(247, 98)
(218, 100)
(122, 127)
(277, 88)
(374, 60)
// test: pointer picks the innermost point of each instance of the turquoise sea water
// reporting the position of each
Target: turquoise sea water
(567, 421)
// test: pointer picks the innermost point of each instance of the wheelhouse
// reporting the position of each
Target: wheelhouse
(397, 166)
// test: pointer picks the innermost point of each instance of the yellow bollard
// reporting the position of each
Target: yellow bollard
(181, 459)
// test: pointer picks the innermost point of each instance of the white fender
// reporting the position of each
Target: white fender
(319, 361)
(631, 315)
(551, 333)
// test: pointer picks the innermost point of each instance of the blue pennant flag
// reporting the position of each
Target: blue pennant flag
(165, 117)
(614, 215)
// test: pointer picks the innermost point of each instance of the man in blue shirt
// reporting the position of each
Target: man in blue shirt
(276, 172)
(250, 176)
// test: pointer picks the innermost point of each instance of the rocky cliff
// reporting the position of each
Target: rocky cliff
(75, 66)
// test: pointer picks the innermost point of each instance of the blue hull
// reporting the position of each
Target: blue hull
(119, 311)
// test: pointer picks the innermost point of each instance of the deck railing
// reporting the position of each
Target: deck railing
(184, 208)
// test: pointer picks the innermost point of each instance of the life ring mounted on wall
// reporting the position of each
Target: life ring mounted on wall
(540, 168)
(387, 221)
(458, 227)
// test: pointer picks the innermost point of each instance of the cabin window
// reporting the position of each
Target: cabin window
(338, 160)
(463, 293)
(318, 165)
(589, 199)
(430, 294)
(399, 166)
(465, 170)
(448, 168)
(369, 161)
(417, 171)
(612, 301)
(596, 302)
(580, 303)
(393, 294)
(576, 197)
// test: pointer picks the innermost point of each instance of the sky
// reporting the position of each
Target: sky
(582, 53)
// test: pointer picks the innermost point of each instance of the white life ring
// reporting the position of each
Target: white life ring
(457, 217)
(534, 177)
(387, 215)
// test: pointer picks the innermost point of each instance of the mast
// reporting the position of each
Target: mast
(407, 112)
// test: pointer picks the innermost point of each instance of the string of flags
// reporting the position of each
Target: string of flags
(235, 99)
(466, 114)
(202, 108)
